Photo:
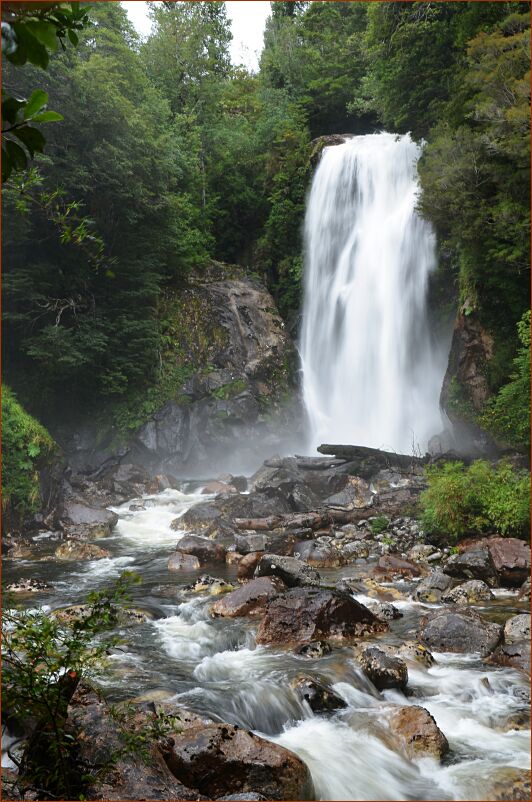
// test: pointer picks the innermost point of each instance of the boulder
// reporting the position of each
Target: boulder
(420, 552)
(355, 495)
(277, 541)
(471, 592)
(382, 670)
(179, 561)
(397, 566)
(410, 652)
(459, 630)
(207, 551)
(250, 599)
(78, 550)
(511, 558)
(292, 571)
(211, 585)
(248, 563)
(515, 654)
(218, 488)
(308, 614)
(28, 586)
(524, 591)
(472, 564)
(320, 555)
(431, 588)
(319, 697)
(418, 734)
(220, 759)
(86, 520)
(509, 784)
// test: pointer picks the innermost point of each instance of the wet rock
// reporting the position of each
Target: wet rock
(221, 758)
(384, 611)
(211, 585)
(120, 616)
(420, 552)
(418, 733)
(320, 555)
(136, 508)
(514, 653)
(179, 561)
(115, 773)
(88, 521)
(511, 558)
(206, 551)
(524, 591)
(459, 630)
(292, 571)
(431, 588)
(314, 649)
(356, 495)
(247, 565)
(396, 566)
(250, 599)
(356, 550)
(249, 797)
(28, 586)
(411, 652)
(509, 784)
(382, 670)
(78, 550)
(308, 614)
(18, 548)
(472, 564)
(471, 592)
(319, 697)
(277, 541)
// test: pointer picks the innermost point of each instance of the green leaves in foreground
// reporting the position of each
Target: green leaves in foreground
(20, 139)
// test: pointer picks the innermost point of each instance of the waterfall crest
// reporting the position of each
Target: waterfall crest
(371, 374)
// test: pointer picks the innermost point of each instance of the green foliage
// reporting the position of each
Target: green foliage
(26, 448)
(379, 525)
(230, 390)
(480, 498)
(28, 35)
(44, 658)
(508, 414)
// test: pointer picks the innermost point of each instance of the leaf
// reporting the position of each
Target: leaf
(31, 137)
(16, 155)
(10, 108)
(38, 99)
(74, 38)
(48, 117)
(28, 48)
(44, 32)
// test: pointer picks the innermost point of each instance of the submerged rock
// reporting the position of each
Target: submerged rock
(382, 670)
(418, 734)
(220, 759)
(314, 649)
(459, 630)
(250, 599)
(292, 571)
(308, 614)
(319, 697)
(78, 550)
(470, 592)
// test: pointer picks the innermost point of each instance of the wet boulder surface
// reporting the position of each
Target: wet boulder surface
(459, 630)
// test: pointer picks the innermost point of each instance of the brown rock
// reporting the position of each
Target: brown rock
(307, 614)
(383, 670)
(250, 599)
(320, 555)
(390, 564)
(511, 558)
(515, 654)
(247, 565)
(418, 733)
(206, 550)
(218, 488)
(179, 561)
(509, 784)
(78, 550)
(319, 697)
(221, 759)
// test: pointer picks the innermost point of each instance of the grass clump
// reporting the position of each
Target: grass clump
(379, 525)
(480, 498)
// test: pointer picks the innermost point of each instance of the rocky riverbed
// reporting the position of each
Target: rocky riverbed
(310, 641)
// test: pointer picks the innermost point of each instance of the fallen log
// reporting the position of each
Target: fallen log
(384, 458)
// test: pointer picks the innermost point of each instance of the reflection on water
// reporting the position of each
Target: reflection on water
(214, 667)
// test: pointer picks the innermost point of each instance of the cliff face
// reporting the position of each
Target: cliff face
(235, 404)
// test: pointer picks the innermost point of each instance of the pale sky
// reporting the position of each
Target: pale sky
(248, 18)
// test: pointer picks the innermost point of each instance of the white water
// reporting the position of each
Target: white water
(371, 375)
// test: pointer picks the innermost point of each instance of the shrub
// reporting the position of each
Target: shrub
(464, 500)
(379, 525)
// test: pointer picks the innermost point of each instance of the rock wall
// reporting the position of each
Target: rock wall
(238, 403)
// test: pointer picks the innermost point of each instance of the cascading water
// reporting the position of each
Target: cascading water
(371, 375)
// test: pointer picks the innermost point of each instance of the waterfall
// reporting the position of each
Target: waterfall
(371, 373)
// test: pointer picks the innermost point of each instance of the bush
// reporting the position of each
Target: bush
(379, 525)
(26, 448)
(464, 500)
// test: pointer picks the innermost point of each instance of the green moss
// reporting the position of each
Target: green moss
(230, 390)
(27, 448)
(458, 403)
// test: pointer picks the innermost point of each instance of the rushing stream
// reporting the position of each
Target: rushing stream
(371, 373)
(213, 666)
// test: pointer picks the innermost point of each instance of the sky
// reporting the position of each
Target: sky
(247, 17)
